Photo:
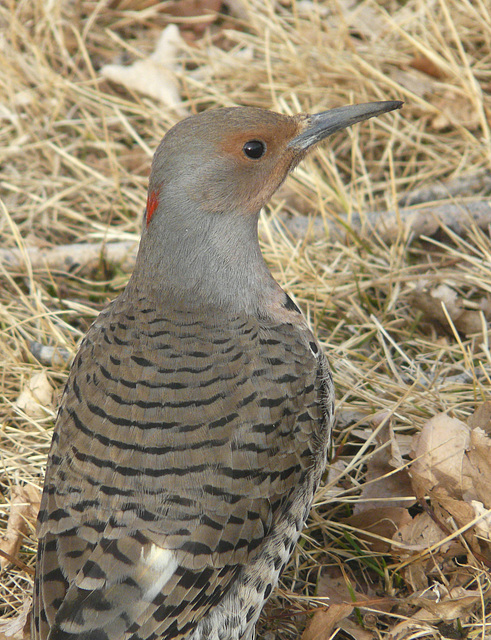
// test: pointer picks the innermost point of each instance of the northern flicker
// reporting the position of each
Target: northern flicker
(194, 427)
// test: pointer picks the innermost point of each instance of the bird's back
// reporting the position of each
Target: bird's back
(187, 449)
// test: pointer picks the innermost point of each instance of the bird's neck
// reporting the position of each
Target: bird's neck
(198, 258)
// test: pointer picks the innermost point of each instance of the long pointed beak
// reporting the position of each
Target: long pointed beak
(320, 125)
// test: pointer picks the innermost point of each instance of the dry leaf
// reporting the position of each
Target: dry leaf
(354, 630)
(453, 460)
(384, 486)
(18, 628)
(477, 467)
(453, 467)
(333, 585)
(380, 525)
(37, 397)
(446, 507)
(154, 76)
(414, 81)
(203, 12)
(412, 629)
(431, 300)
(483, 527)
(239, 9)
(481, 417)
(438, 453)
(427, 66)
(456, 110)
(418, 535)
(324, 621)
(453, 604)
(453, 513)
(415, 574)
(361, 18)
(24, 505)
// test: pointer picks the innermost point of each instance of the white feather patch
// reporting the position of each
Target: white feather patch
(158, 566)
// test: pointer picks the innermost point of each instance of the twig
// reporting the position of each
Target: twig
(387, 224)
(71, 257)
(18, 563)
(464, 186)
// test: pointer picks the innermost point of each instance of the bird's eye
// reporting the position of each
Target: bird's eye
(254, 149)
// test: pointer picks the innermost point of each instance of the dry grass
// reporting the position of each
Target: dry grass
(75, 154)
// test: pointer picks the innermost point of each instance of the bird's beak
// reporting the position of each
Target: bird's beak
(320, 125)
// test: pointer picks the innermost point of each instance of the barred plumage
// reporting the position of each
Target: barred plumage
(176, 470)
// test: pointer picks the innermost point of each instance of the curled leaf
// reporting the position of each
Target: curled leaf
(154, 76)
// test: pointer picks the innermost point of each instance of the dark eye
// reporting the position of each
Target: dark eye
(254, 149)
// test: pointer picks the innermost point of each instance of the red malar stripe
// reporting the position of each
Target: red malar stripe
(152, 202)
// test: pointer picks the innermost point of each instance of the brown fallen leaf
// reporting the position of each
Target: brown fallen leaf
(202, 12)
(382, 506)
(414, 81)
(445, 107)
(459, 513)
(324, 621)
(438, 452)
(477, 467)
(415, 575)
(386, 484)
(354, 630)
(481, 417)
(420, 534)
(450, 456)
(377, 526)
(411, 542)
(430, 300)
(361, 18)
(440, 604)
(427, 66)
(411, 629)
(483, 526)
(452, 467)
(24, 506)
(333, 584)
(444, 506)
(339, 589)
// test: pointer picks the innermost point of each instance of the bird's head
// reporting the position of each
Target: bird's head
(233, 160)
(210, 176)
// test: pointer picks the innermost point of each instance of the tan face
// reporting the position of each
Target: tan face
(257, 160)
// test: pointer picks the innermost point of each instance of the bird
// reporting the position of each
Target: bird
(194, 427)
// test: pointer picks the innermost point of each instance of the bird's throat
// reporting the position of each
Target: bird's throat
(213, 259)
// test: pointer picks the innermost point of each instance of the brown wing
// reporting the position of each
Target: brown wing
(178, 438)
